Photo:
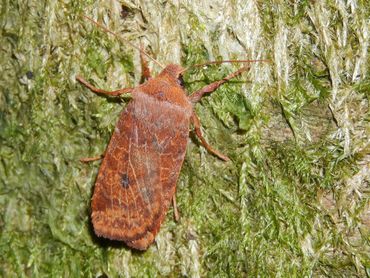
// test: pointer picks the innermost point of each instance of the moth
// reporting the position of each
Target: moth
(137, 177)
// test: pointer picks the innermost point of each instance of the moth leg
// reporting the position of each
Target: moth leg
(145, 71)
(198, 132)
(175, 211)
(210, 88)
(100, 91)
(90, 159)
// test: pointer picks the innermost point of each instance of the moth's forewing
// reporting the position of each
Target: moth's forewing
(138, 175)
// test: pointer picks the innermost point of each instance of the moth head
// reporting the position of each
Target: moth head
(174, 71)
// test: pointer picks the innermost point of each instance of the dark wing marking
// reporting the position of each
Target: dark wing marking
(138, 175)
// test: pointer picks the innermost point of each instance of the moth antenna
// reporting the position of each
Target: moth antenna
(224, 62)
(122, 39)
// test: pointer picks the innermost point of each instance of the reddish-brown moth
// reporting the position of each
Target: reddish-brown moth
(137, 178)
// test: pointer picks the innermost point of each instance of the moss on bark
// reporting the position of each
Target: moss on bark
(292, 202)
